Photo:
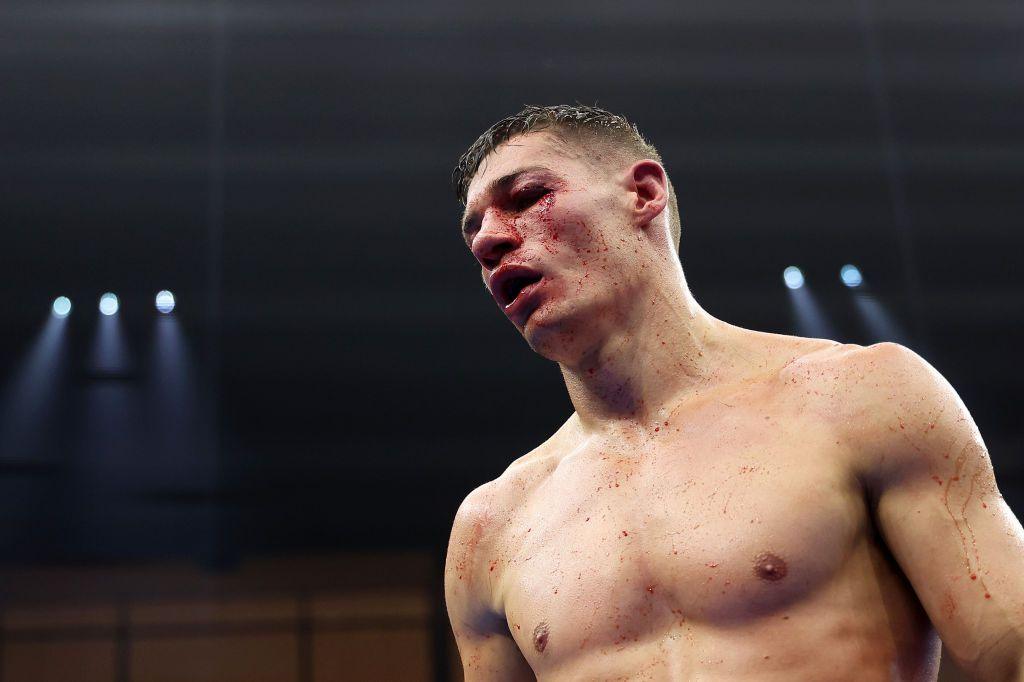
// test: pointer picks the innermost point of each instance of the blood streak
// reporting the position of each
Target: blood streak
(540, 636)
(770, 567)
(971, 570)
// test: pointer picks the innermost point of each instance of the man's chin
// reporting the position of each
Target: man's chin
(552, 337)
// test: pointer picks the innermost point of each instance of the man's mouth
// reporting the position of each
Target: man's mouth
(521, 307)
(512, 287)
(508, 281)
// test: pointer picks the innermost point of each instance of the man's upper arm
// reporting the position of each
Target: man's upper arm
(940, 513)
(486, 647)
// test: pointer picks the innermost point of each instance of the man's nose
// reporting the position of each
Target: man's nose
(495, 238)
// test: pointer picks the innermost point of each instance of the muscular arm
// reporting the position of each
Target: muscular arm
(940, 513)
(486, 647)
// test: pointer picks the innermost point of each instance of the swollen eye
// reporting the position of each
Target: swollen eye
(529, 197)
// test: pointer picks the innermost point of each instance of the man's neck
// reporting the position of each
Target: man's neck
(670, 348)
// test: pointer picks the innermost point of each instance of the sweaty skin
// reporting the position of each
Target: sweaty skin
(723, 504)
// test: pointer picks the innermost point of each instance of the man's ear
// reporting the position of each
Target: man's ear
(648, 180)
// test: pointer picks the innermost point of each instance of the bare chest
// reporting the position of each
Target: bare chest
(719, 528)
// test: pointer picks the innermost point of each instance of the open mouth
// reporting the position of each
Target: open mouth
(513, 286)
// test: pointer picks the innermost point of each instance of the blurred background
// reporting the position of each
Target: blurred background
(259, 484)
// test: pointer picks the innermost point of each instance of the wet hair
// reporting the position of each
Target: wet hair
(591, 129)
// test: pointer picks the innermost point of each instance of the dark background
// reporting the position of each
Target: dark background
(335, 377)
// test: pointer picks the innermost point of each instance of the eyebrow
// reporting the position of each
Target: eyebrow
(501, 183)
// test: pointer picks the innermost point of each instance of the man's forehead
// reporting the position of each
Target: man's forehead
(530, 151)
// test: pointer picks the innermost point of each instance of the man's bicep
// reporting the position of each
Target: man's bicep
(486, 647)
(964, 556)
(491, 656)
(941, 515)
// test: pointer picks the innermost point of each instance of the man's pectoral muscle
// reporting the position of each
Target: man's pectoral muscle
(930, 489)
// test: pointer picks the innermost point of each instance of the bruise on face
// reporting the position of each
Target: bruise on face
(499, 188)
(552, 147)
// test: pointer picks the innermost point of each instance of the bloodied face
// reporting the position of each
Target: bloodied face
(556, 237)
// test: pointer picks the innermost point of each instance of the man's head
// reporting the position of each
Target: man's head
(599, 134)
(566, 214)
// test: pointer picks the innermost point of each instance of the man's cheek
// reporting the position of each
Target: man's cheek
(550, 224)
(565, 232)
(551, 237)
(512, 226)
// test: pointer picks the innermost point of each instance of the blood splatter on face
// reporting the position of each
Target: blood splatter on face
(770, 567)
(540, 636)
(568, 222)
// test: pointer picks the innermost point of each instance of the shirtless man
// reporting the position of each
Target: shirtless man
(723, 504)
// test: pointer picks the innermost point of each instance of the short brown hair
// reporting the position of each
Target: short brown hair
(584, 122)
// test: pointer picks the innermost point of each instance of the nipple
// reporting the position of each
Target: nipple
(540, 636)
(770, 567)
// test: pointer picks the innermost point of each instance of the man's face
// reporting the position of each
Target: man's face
(552, 237)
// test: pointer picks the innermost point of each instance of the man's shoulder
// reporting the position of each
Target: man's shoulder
(885, 401)
(858, 371)
(489, 506)
(478, 531)
(878, 373)
(862, 390)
